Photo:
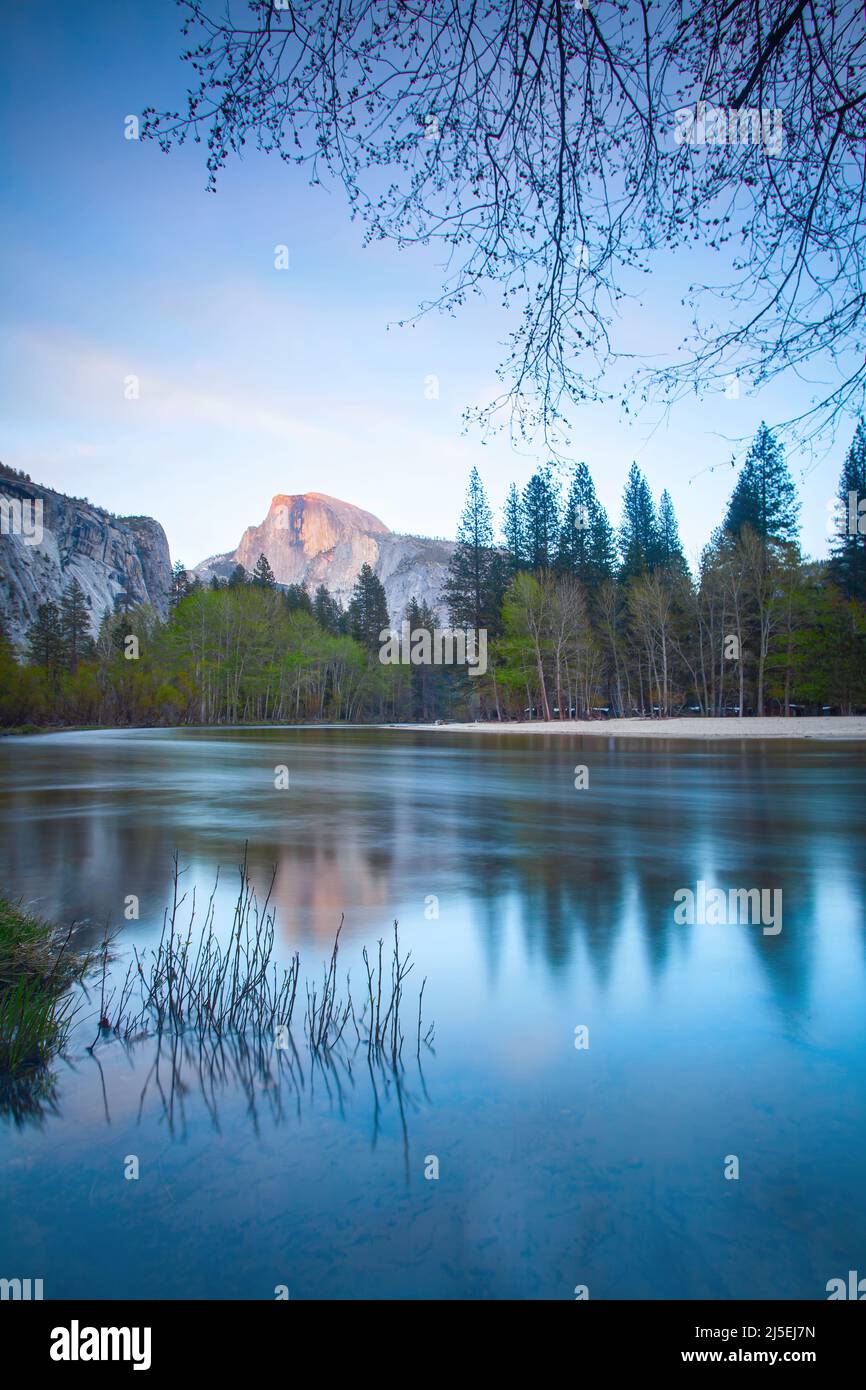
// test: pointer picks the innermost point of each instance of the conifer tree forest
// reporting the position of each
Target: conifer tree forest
(585, 619)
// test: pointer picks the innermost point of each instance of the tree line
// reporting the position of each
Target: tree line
(591, 620)
(584, 620)
(239, 650)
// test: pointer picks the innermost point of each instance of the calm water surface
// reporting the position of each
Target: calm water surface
(557, 1166)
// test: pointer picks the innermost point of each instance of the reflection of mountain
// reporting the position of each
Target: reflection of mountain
(313, 539)
(376, 821)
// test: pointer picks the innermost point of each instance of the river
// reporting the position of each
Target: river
(595, 1066)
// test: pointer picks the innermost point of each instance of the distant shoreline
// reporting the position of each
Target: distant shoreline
(831, 727)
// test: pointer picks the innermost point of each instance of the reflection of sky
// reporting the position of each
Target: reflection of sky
(252, 381)
(555, 910)
(533, 880)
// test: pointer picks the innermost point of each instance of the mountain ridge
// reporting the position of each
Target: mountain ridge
(309, 538)
(109, 555)
(312, 538)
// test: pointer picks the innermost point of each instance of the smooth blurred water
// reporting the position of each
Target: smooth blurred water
(557, 1166)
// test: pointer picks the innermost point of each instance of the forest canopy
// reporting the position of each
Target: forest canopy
(585, 620)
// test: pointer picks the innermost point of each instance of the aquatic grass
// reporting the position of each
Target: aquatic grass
(34, 1024)
(217, 988)
(219, 1006)
(38, 964)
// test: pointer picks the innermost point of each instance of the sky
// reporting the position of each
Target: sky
(254, 381)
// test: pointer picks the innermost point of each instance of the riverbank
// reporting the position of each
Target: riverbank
(38, 963)
(851, 727)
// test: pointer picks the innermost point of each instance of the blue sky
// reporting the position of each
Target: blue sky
(255, 381)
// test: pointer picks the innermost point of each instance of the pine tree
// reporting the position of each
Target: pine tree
(297, 598)
(45, 638)
(179, 587)
(263, 576)
(669, 550)
(75, 625)
(9, 677)
(848, 551)
(513, 530)
(764, 497)
(237, 578)
(638, 533)
(586, 546)
(368, 610)
(540, 512)
(328, 611)
(474, 586)
(429, 684)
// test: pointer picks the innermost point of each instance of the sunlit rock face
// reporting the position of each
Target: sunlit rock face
(313, 539)
(108, 555)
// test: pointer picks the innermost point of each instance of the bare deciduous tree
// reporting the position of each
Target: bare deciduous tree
(539, 142)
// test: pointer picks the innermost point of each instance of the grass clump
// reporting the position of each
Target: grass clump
(37, 966)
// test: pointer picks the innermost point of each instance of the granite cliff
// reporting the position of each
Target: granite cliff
(309, 539)
(47, 538)
(313, 539)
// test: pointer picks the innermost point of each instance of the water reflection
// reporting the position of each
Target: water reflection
(183, 1075)
(375, 821)
(531, 907)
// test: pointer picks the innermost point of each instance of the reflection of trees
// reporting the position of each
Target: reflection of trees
(657, 816)
(613, 844)
(374, 816)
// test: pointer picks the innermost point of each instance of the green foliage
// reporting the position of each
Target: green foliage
(564, 635)
(328, 612)
(513, 529)
(764, 497)
(45, 638)
(638, 532)
(848, 563)
(669, 550)
(477, 572)
(75, 625)
(262, 575)
(180, 584)
(586, 542)
(37, 966)
(368, 610)
(540, 519)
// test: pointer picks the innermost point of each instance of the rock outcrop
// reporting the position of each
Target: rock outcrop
(48, 538)
(313, 539)
(310, 539)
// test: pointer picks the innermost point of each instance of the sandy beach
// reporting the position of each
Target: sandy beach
(851, 727)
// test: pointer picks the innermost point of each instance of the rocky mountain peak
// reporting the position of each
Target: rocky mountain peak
(311, 538)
